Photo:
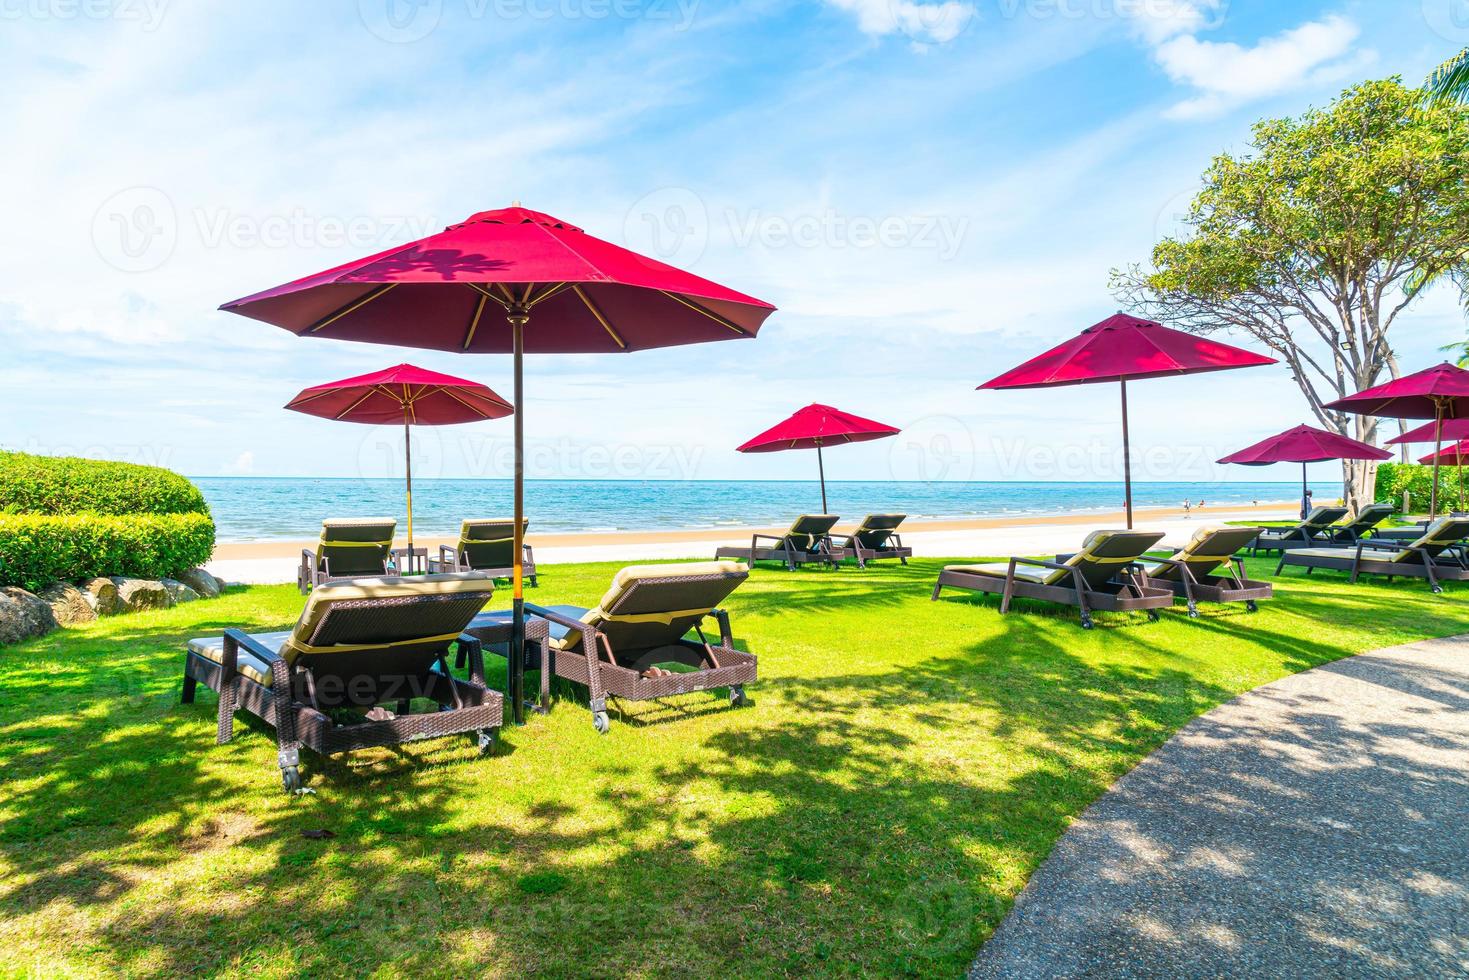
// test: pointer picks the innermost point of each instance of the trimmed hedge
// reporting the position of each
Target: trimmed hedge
(38, 549)
(72, 485)
(1417, 479)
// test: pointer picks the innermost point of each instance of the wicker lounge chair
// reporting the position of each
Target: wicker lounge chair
(1435, 556)
(350, 547)
(1316, 527)
(1365, 522)
(359, 645)
(638, 630)
(876, 537)
(1103, 575)
(808, 541)
(1191, 571)
(487, 546)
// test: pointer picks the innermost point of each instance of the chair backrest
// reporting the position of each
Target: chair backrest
(1441, 534)
(490, 543)
(1321, 518)
(1102, 554)
(1368, 517)
(877, 528)
(359, 634)
(807, 529)
(356, 546)
(1209, 548)
(655, 605)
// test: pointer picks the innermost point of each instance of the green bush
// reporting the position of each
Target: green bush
(37, 549)
(70, 485)
(1417, 479)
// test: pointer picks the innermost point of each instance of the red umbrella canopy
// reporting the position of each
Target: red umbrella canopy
(402, 394)
(1423, 395)
(441, 292)
(1124, 347)
(1454, 455)
(1452, 429)
(1304, 444)
(815, 426)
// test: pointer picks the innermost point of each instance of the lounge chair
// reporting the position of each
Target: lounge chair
(1365, 522)
(1316, 527)
(1190, 572)
(808, 541)
(1434, 556)
(876, 537)
(350, 547)
(626, 645)
(1103, 575)
(487, 546)
(359, 645)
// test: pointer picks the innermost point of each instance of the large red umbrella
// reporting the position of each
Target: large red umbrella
(816, 426)
(559, 289)
(1452, 456)
(1123, 348)
(1454, 429)
(407, 394)
(1439, 393)
(1304, 444)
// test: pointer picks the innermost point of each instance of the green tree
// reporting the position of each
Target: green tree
(1309, 239)
(1450, 80)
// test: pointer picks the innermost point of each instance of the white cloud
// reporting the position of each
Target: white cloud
(935, 23)
(1227, 74)
(1158, 20)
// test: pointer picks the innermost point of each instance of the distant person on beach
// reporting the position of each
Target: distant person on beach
(1201, 505)
(1186, 507)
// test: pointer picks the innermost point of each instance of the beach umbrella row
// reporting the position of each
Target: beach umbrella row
(1304, 444)
(815, 427)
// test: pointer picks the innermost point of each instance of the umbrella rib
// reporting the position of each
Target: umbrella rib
(352, 407)
(709, 313)
(546, 294)
(472, 407)
(581, 294)
(487, 293)
(351, 307)
(479, 310)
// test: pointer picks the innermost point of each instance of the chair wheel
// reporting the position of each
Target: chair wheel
(1251, 605)
(1086, 623)
(1193, 611)
(487, 739)
(737, 697)
(291, 778)
(1152, 615)
(1437, 589)
(600, 722)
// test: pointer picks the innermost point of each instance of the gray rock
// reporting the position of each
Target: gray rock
(23, 615)
(201, 582)
(101, 595)
(177, 591)
(134, 594)
(68, 603)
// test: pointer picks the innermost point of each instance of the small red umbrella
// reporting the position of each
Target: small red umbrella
(1304, 444)
(1452, 456)
(510, 281)
(813, 427)
(1439, 393)
(1454, 429)
(1122, 348)
(407, 394)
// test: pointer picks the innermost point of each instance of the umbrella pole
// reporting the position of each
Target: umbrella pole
(1126, 457)
(1437, 448)
(408, 473)
(821, 471)
(516, 667)
(1305, 500)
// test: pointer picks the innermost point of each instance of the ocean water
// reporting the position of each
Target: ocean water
(259, 508)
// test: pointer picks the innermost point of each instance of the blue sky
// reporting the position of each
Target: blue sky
(930, 192)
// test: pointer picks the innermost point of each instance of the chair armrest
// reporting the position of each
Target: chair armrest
(767, 537)
(726, 637)
(1042, 562)
(447, 554)
(473, 649)
(552, 616)
(253, 646)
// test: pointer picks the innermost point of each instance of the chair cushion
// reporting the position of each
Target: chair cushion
(999, 569)
(212, 648)
(471, 585)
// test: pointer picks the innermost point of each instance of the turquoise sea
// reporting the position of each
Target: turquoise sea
(260, 508)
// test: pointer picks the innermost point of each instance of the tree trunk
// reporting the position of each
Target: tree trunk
(1359, 483)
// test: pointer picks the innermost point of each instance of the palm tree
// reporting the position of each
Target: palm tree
(1450, 80)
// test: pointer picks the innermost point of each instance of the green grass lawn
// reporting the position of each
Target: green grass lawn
(904, 766)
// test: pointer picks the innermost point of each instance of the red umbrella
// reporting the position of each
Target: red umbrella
(813, 427)
(1121, 348)
(1439, 393)
(1304, 444)
(1455, 429)
(407, 394)
(559, 289)
(1452, 456)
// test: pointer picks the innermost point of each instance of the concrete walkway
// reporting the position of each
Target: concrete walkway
(1316, 826)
